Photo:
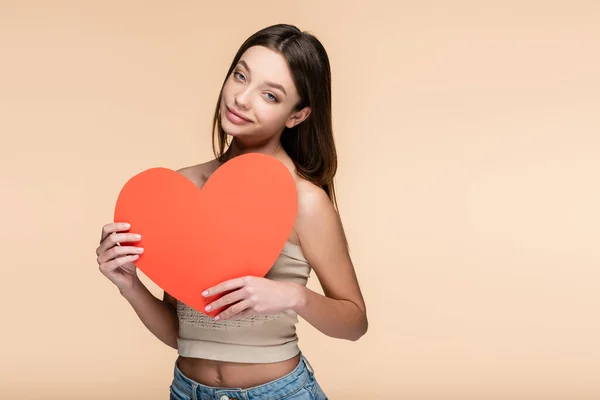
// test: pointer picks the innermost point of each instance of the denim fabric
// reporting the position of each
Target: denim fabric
(300, 384)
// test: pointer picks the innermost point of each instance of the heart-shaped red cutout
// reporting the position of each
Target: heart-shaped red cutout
(193, 239)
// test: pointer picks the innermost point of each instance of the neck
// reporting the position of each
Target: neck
(272, 148)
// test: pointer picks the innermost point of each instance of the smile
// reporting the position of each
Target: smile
(236, 118)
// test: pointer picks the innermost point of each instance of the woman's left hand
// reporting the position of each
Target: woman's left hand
(253, 296)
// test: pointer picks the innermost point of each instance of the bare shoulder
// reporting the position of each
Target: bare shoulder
(312, 199)
(199, 173)
(317, 216)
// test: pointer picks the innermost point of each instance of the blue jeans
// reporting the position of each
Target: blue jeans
(300, 384)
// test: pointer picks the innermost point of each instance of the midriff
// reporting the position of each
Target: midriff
(234, 374)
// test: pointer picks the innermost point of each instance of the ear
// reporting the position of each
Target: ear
(298, 117)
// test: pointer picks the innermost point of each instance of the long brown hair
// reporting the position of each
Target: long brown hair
(309, 144)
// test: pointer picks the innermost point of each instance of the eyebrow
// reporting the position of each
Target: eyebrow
(272, 84)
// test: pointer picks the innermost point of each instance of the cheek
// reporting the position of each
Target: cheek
(269, 115)
(225, 92)
(230, 88)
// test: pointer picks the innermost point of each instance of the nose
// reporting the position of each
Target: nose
(242, 99)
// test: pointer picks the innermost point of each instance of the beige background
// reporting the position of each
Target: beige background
(469, 147)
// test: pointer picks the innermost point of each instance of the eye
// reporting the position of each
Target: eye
(272, 98)
(238, 73)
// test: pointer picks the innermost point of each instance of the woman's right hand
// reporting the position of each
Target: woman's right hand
(116, 261)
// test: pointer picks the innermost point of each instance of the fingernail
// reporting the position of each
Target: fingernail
(140, 250)
(205, 293)
(126, 225)
(217, 318)
(208, 308)
(138, 237)
(135, 257)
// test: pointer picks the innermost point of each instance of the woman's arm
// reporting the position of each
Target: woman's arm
(341, 313)
(116, 262)
(160, 317)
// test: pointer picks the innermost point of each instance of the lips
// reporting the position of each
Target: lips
(241, 116)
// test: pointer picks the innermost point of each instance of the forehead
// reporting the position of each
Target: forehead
(266, 64)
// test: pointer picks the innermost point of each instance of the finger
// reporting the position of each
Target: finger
(108, 267)
(227, 286)
(248, 312)
(235, 310)
(112, 228)
(116, 239)
(119, 251)
(230, 298)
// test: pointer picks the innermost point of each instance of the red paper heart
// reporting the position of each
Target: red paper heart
(194, 239)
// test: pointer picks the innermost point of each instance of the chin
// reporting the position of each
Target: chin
(233, 130)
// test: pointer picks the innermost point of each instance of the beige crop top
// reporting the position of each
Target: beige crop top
(258, 339)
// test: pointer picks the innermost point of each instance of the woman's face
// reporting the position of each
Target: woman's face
(261, 91)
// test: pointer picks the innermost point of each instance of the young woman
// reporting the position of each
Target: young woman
(276, 99)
